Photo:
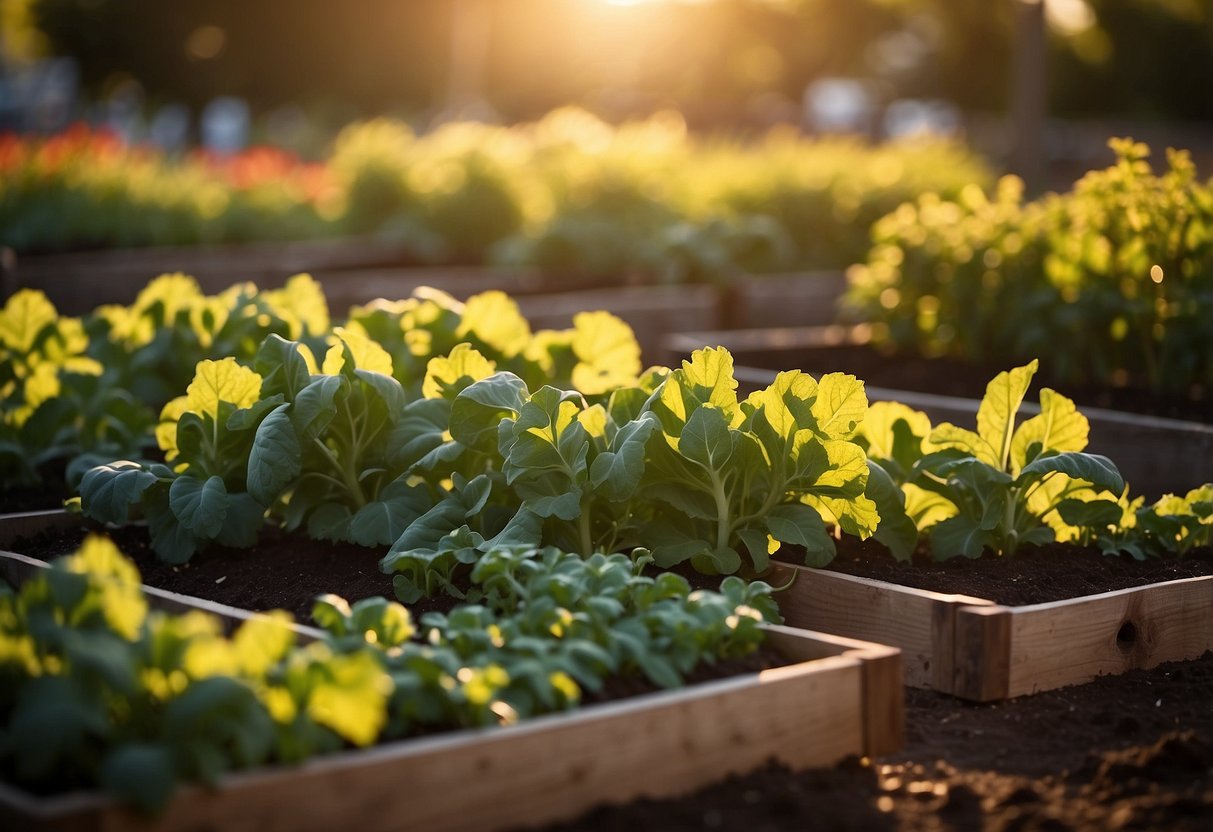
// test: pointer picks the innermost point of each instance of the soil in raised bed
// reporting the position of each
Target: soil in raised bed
(948, 377)
(1133, 751)
(1127, 751)
(1033, 575)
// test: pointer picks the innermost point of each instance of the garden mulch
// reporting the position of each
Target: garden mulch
(1133, 751)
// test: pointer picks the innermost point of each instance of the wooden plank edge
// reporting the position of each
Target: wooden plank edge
(982, 653)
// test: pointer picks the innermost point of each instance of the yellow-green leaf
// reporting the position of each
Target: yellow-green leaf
(368, 355)
(607, 352)
(840, 406)
(878, 426)
(1058, 427)
(352, 699)
(23, 318)
(225, 380)
(996, 414)
(302, 304)
(493, 317)
(262, 642)
(786, 401)
(444, 373)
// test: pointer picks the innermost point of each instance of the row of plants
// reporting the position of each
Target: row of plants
(82, 391)
(436, 427)
(100, 692)
(1113, 279)
(568, 194)
(86, 188)
(674, 462)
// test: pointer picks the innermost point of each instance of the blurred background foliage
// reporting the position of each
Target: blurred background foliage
(730, 61)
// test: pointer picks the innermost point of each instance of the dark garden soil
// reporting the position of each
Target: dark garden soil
(1123, 752)
(898, 371)
(1034, 575)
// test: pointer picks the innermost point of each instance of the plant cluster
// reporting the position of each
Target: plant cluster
(1114, 278)
(1008, 485)
(82, 391)
(88, 189)
(568, 194)
(98, 691)
(672, 460)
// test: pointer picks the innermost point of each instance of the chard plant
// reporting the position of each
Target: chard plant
(202, 495)
(1001, 487)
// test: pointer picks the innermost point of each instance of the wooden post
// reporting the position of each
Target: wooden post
(1028, 94)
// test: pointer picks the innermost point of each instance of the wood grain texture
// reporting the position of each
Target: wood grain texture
(1070, 642)
(916, 621)
(982, 653)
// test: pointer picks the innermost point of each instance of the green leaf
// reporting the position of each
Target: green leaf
(172, 542)
(200, 506)
(617, 473)
(1094, 514)
(316, 405)
(108, 491)
(896, 530)
(757, 544)
(1058, 427)
(244, 521)
(1093, 468)
(282, 367)
(949, 437)
(705, 440)
(840, 406)
(330, 521)
(142, 774)
(800, 525)
(382, 522)
(996, 414)
(478, 410)
(274, 461)
(388, 389)
(959, 535)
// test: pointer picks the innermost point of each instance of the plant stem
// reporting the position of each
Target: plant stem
(722, 511)
(583, 528)
(347, 476)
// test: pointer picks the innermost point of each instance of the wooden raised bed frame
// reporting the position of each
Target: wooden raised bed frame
(980, 650)
(837, 697)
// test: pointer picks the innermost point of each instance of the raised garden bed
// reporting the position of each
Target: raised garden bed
(1156, 454)
(835, 697)
(783, 300)
(80, 282)
(978, 649)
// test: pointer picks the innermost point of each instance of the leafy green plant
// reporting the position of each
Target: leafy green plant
(1000, 487)
(55, 402)
(98, 691)
(1173, 525)
(676, 463)
(1112, 278)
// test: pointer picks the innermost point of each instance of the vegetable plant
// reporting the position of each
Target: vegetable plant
(677, 464)
(100, 692)
(1113, 278)
(1001, 487)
